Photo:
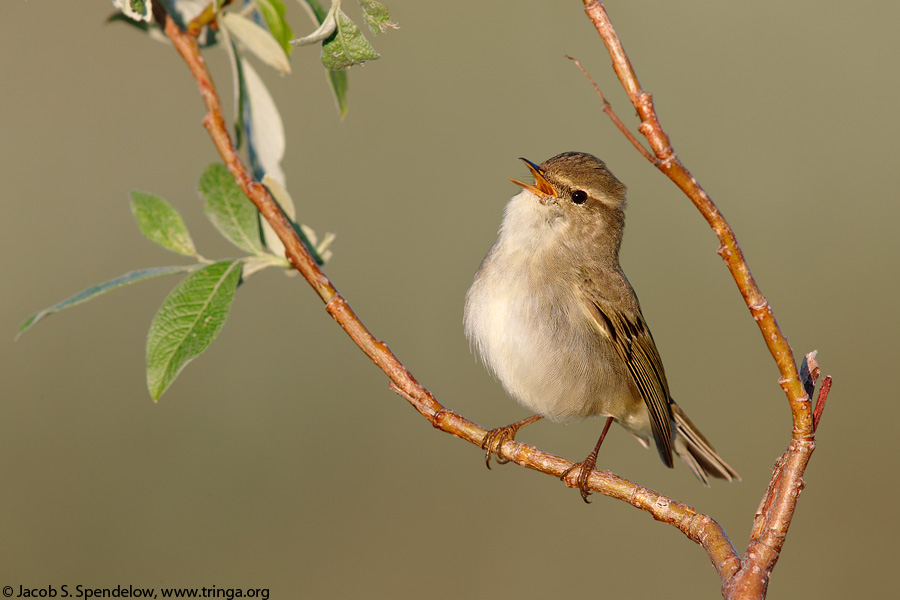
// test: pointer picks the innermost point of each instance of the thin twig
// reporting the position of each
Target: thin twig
(777, 507)
(820, 402)
(608, 109)
(699, 528)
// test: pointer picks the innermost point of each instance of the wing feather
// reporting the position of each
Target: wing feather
(634, 344)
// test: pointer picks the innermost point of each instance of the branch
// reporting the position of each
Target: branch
(823, 397)
(699, 528)
(777, 507)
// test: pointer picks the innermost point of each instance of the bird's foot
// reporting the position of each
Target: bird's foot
(495, 438)
(586, 467)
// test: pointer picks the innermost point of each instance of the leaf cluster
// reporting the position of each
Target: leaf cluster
(194, 312)
(260, 28)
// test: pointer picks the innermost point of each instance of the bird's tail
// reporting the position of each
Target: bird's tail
(696, 451)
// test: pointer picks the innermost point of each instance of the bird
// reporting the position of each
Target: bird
(552, 316)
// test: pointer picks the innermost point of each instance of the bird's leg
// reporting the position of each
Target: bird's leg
(587, 465)
(494, 438)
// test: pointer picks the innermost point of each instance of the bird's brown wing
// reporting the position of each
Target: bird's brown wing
(634, 344)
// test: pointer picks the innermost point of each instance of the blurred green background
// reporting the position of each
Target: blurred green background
(280, 459)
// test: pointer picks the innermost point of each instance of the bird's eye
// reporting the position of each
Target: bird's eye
(579, 196)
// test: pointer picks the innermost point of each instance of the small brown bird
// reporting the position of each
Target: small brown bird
(553, 317)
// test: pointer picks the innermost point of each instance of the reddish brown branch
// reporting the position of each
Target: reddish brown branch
(777, 507)
(699, 528)
(729, 249)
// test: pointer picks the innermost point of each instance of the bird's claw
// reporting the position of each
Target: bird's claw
(586, 467)
(495, 438)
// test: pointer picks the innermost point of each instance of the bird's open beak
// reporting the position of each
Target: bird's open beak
(541, 188)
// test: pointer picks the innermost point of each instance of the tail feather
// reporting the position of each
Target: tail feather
(696, 451)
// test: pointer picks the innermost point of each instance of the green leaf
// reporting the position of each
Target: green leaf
(337, 79)
(339, 85)
(229, 209)
(347, 47)
(272, 12)
(377, 16)
(188, 321)
(257, 40)
(100, 288)
(161, 223)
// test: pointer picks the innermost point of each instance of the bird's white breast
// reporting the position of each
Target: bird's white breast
(527, 321)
